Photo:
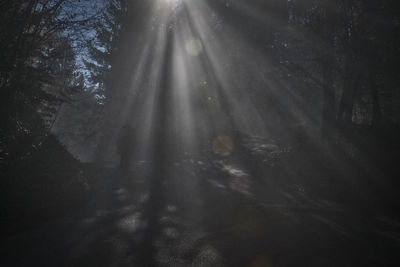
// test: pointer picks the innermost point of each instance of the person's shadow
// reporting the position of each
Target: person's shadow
(125, 146)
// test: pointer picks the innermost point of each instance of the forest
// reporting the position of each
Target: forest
(199, 133)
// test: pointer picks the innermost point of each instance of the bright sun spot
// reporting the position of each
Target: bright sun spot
(172, 2)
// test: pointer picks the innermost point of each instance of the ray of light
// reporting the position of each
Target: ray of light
(212, 86)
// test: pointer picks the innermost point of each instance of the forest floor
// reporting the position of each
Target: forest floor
(247, 210)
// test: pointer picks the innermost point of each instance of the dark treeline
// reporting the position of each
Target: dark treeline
(39, 46)
(359, 59)
(341, 58)
(351, 48)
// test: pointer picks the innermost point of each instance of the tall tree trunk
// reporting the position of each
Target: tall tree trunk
(345, 106)
(328, 105)
(376, 111)
(327, 61)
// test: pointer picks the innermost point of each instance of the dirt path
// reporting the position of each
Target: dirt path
(212, 213)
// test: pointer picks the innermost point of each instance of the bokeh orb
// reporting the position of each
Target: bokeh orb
(222, 145)
(194, 47)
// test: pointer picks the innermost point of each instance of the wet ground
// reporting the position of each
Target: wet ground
(203, 211)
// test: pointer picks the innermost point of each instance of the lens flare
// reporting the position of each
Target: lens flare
(194, 47)
(222, 145)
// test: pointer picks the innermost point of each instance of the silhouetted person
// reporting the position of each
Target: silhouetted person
(125, 145)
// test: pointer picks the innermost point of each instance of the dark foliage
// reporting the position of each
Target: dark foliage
(47, 185)
(37, 75)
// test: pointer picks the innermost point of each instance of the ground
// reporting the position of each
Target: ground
(234, 210)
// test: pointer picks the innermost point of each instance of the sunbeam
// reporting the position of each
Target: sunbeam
(199, 133)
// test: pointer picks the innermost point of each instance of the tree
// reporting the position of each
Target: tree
(37, 71)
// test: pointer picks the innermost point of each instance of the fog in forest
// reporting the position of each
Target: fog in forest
(199, 133)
